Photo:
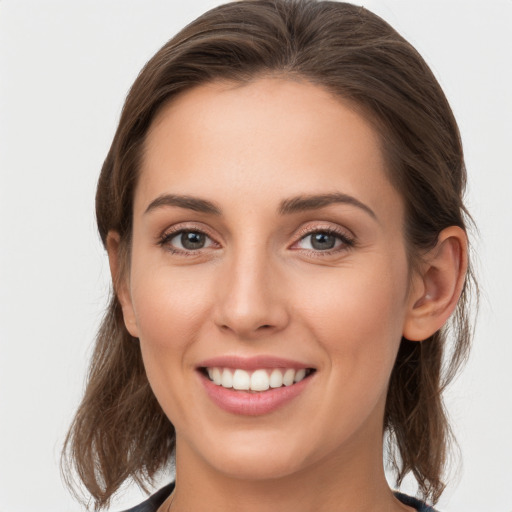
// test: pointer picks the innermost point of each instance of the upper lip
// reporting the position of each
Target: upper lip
(251, 363)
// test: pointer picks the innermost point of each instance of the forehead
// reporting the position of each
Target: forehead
(270, 135)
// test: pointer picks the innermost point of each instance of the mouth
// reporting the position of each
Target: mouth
(256, 381)
(254, 386)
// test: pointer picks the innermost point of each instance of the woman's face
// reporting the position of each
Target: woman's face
(267, 245)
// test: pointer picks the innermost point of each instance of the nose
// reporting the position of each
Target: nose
(251, 297)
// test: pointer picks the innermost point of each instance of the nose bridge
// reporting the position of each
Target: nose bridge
(248, 299)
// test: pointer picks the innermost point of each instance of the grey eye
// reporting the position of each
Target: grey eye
(321, 241)
(190, 240)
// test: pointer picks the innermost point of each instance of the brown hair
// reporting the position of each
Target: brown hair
(120, 431)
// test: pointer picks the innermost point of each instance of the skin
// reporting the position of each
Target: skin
(258, 286)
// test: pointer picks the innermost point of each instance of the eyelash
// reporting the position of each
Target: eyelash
(347, 242)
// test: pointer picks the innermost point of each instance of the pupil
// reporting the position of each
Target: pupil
(191, 240)
(322, 241)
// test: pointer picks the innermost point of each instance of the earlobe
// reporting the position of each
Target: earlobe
(120, 281)
(437, 287)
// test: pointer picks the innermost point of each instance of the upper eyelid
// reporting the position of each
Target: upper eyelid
(184, 226)
(345, 240)
(331, 228)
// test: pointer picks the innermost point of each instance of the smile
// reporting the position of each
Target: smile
(252, 386)
(258, 380)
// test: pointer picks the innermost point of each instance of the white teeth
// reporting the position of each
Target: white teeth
(259, 380)
(241, 380)
(217, 376)
(288, 377)
(276, 378)
(227, 379)
(299, 375)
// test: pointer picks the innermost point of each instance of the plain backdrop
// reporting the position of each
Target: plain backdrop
(65, 67)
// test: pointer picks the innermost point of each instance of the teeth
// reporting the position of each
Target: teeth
(259, 380)
(276, 378)
(241, 379)
(217, 376)
(299, 375)
(288, 377)
(227, 379)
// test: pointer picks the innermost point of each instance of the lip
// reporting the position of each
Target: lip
(252, 363)
(252, 403)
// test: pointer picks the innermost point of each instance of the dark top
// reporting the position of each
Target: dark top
(156, 500)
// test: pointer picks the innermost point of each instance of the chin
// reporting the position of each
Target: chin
(255, 456)
(258, 466)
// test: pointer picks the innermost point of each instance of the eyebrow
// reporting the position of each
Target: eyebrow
(315, 202)
(187, 202)
(287, 207)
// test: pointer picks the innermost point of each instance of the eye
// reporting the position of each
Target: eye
(186, 240)
(324, 241)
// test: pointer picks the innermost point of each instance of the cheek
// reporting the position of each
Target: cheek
(169, 311)
(168, 304)
(356, 319)
(357, 314)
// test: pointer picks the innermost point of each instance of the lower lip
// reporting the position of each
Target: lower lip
(255, 403)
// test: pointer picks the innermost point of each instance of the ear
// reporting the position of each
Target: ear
(437, 286)
(121, 281)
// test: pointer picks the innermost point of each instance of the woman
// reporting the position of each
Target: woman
(282, 211)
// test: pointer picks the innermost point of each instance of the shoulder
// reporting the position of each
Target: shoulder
(414, 502)
(154, 501)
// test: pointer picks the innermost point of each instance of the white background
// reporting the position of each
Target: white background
(65, 67)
